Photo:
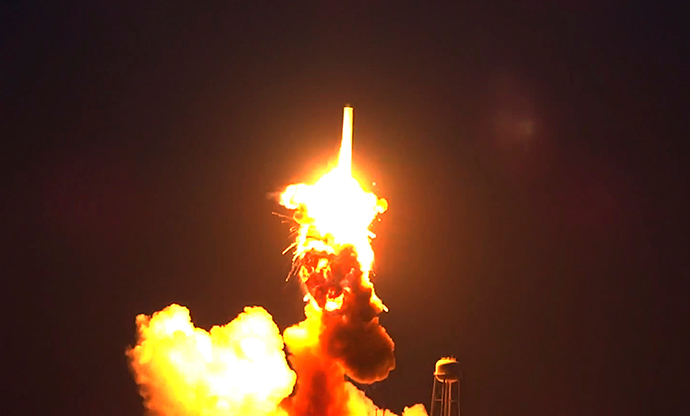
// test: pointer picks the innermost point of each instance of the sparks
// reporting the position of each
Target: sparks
(333, 213)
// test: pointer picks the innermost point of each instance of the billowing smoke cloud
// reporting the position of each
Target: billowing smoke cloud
(236, 369)
(364, 349)
(347, 340)
(352, 334)
(240, 369)
(320, 388)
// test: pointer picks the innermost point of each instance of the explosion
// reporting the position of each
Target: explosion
(334, 216)
(241, 368)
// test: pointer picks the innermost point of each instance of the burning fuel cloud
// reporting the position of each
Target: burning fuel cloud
(242, 368)
(236, 369)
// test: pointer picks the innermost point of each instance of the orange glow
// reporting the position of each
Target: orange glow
(239, 368)
(335, 212)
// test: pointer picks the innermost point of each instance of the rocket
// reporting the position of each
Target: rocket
(345, 158)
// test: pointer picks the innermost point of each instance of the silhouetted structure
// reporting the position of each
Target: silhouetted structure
(445, 395)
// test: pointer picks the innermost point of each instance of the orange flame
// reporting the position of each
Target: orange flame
(239, 369)
(333, 213)
(235, 369)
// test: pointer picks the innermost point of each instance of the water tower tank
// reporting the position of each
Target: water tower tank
(447, 370)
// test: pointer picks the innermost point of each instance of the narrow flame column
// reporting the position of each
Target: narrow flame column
(345, 158)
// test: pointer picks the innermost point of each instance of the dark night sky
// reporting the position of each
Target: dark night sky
(531, 153)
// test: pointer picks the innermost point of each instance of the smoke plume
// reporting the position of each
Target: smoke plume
(240, 369)
(236, 369)
(352, 334)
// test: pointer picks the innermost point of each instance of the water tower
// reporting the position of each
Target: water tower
(445, 395)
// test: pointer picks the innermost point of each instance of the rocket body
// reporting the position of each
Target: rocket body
(345, 158)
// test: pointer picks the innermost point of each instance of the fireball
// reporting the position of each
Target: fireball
(332, 214)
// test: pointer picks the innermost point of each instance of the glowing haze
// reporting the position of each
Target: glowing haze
(242, 368)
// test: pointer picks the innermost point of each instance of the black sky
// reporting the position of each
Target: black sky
(531, 152)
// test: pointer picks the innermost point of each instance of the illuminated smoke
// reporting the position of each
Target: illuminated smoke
(352, 334)
(236, 369)
(328, 345)
(240, 369)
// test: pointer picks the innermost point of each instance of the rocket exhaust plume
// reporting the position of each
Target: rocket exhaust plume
(241, 368)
